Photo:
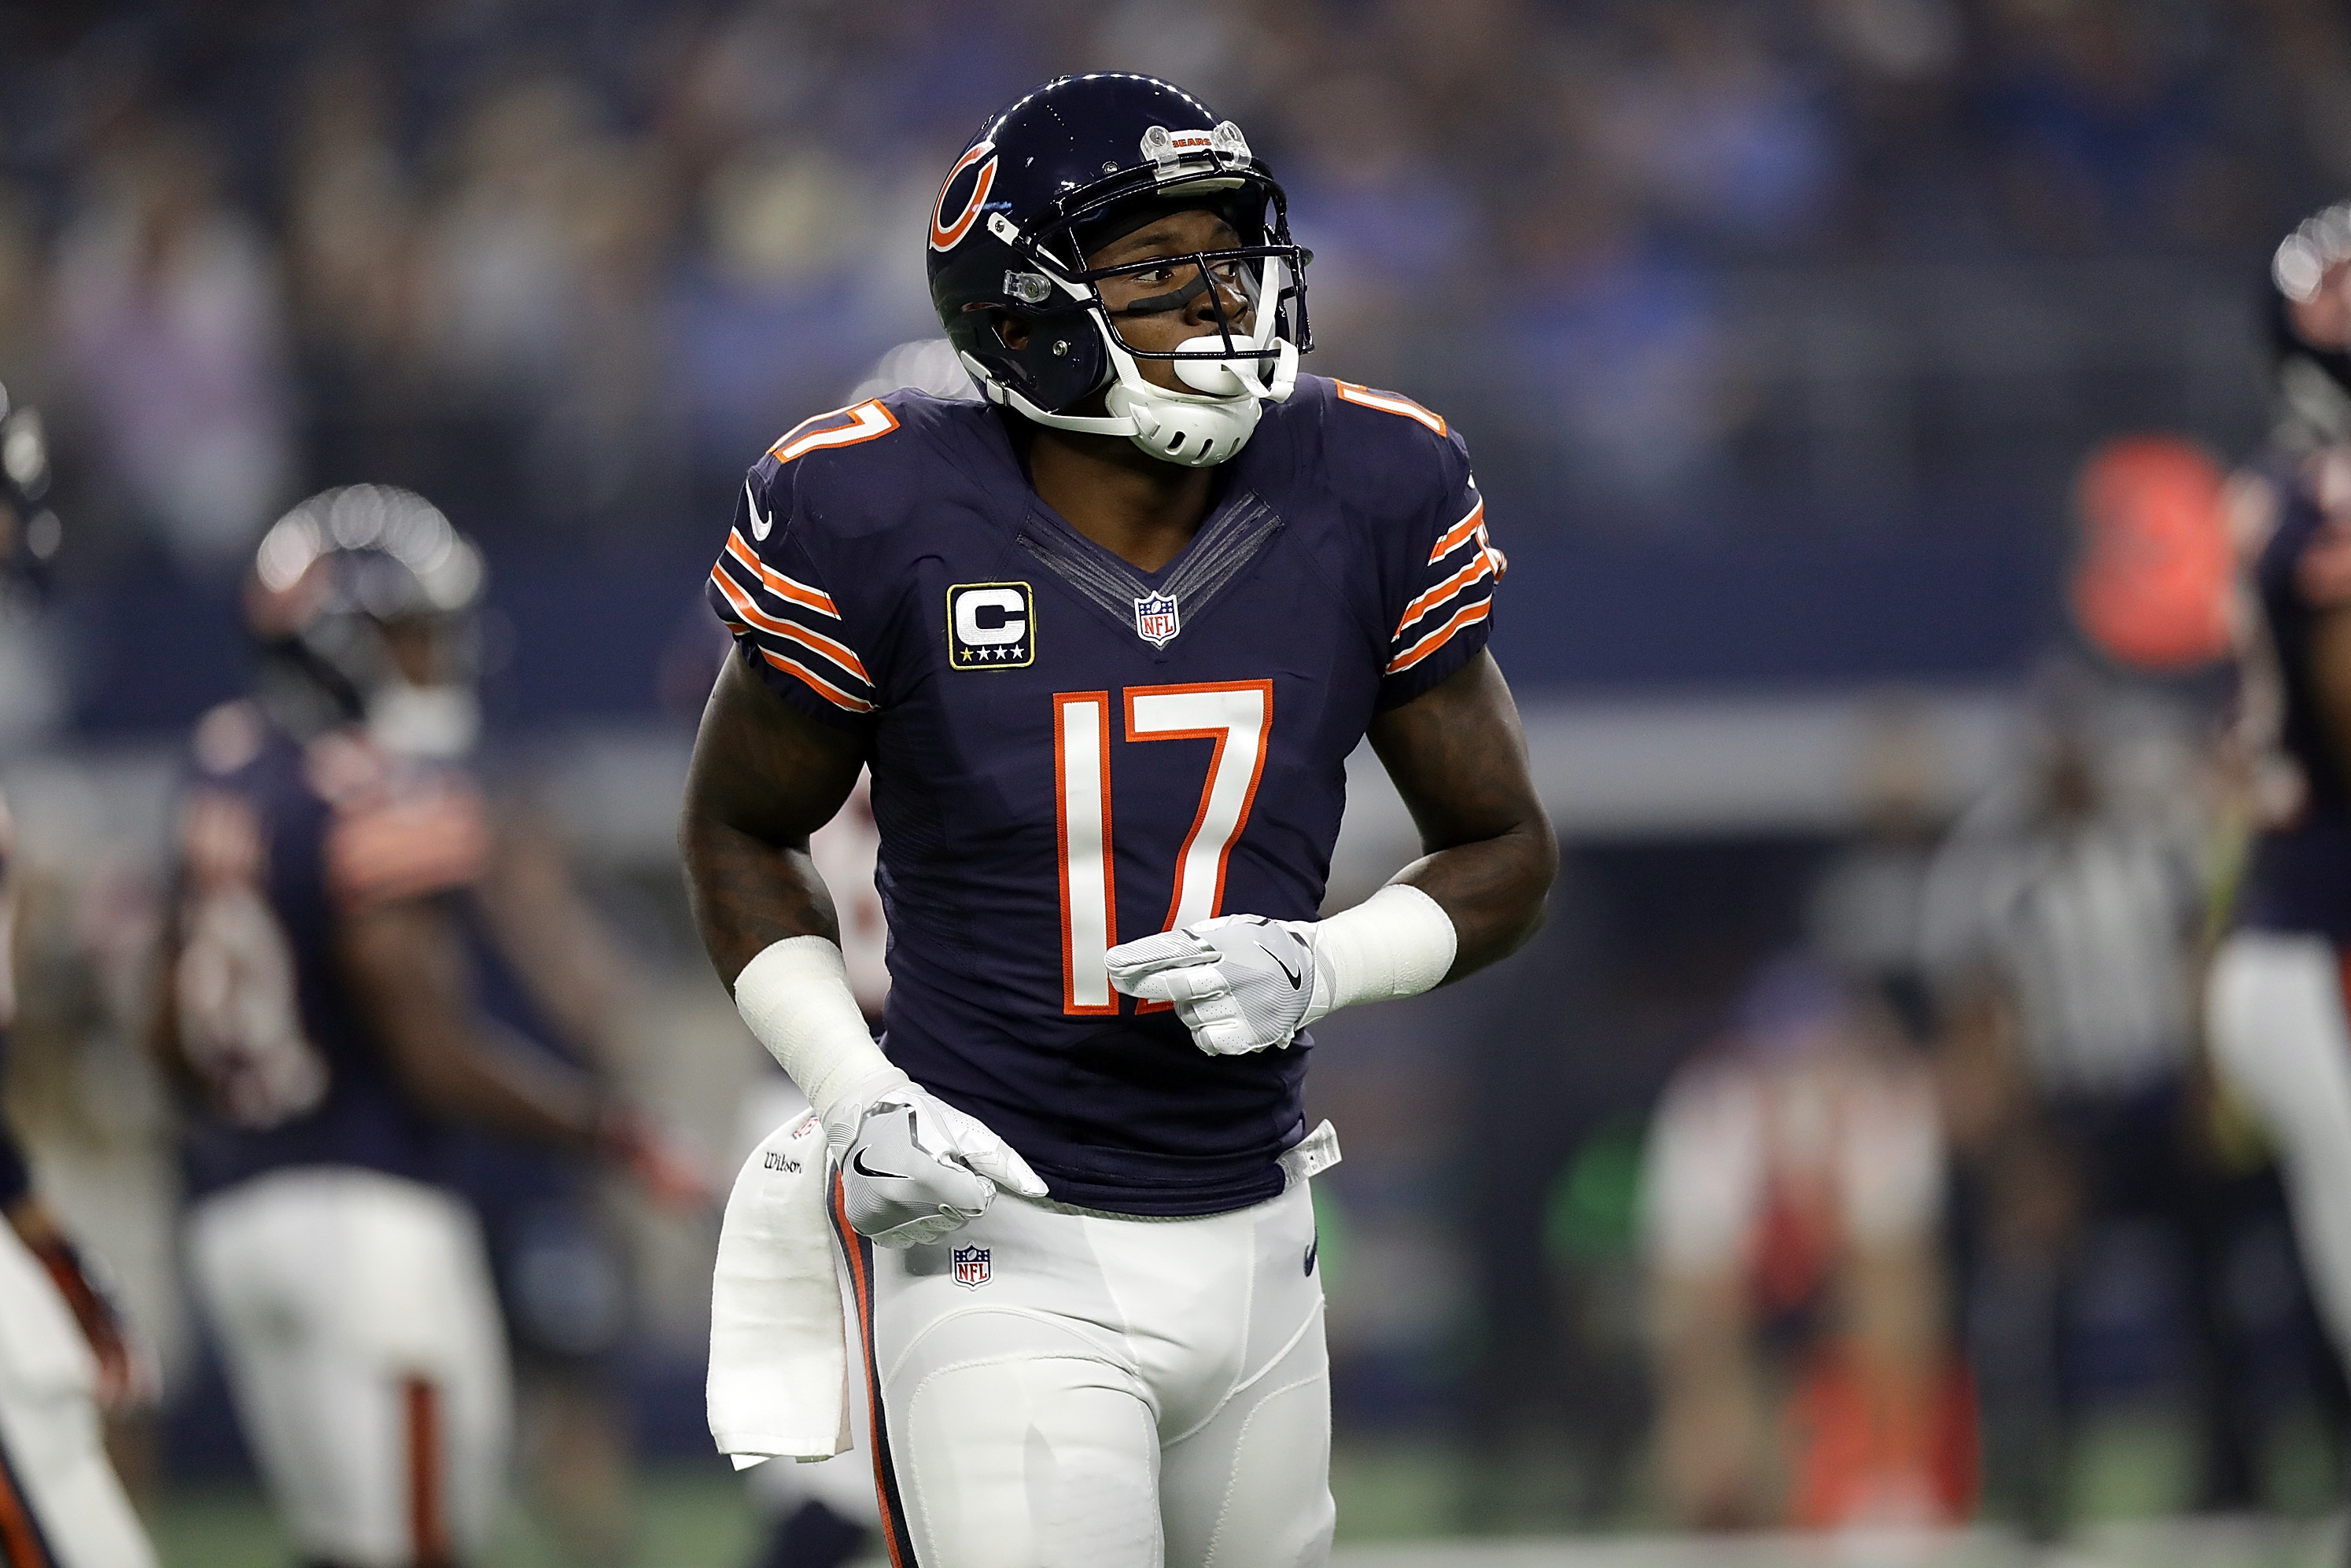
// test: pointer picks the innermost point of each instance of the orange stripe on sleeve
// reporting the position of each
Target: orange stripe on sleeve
(1454, 538)
(840, 653)
(777, 583)
(407, 848)
(1468, 614)
(1482, 567)
(816, 683)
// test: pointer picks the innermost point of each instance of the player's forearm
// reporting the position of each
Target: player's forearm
(762, 779)
(405, 963)
(1458, 758)
(748, 895)
(1495, 891)
(506, 1093)
(577, 977)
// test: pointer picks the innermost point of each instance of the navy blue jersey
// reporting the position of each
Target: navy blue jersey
(2299, 878)
(280, 840)
(1069, 753)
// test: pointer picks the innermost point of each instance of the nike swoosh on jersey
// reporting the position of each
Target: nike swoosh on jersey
(759, 525)
(857, 1163)
(1311, 1248)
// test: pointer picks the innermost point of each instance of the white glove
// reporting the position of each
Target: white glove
(1239, 982)
(913, 1167)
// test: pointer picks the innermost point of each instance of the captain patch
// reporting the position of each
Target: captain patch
(991, 625)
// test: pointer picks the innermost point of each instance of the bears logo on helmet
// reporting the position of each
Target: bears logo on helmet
(947, 233)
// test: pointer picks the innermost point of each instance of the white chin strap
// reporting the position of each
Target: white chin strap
(1200, 429)
(1197, 429)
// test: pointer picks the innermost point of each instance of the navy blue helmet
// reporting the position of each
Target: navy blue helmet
(1063, 171)
(330, 578)
(2311, 381)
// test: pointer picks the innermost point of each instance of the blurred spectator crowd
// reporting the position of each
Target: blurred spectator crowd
(562, 267)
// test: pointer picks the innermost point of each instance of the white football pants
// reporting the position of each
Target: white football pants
(2276, 1009)
(361, 1337)
(59, 1502)
(1062, 1389)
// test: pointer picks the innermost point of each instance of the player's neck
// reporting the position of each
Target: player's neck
(1133, 505)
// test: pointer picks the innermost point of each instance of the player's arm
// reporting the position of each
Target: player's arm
(765, 777)
(1243, 983)
(558, 945)
(406, 963)
(1458, 758)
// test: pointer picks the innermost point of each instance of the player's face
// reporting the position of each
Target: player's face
(422, 650)
(1148, 305)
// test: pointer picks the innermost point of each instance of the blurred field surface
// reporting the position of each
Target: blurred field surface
(697, 1519)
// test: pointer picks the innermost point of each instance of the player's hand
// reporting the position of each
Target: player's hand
(669, 1176)
(913, 1167)
(124, 1377)
(1239, 982)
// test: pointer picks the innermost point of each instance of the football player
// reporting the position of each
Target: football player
(1107, 640)
(321, 1010)
(63, 1353)
(2276, 996)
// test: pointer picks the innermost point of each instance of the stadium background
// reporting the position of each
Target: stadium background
(1778, 329)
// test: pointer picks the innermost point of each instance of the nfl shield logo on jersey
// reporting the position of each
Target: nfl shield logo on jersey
(971, 1267)
(1154, 619)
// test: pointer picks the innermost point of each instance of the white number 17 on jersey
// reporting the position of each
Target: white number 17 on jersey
(1237, 716)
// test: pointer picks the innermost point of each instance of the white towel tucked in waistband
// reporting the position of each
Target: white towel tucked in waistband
(778, 1359)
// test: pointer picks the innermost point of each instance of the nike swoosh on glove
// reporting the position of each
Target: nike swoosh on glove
(913, 1167)
(1239, 982)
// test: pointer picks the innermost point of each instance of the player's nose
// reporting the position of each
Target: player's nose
(1201, 309)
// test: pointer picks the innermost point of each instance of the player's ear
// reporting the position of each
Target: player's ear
(1012, 330)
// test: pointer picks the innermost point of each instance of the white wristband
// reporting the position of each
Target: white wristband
(1397, 943)
(795, 995)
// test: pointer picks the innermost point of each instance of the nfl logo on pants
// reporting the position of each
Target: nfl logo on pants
(1154, 619)
(971, 1267)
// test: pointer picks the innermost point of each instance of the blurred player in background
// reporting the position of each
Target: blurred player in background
(1791, 1206)
(554, 984)
(1107, 646)
(2062, 928)
(64, 1357)
(322, 1010)
(2276, 999)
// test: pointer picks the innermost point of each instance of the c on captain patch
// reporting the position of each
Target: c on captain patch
(971, 1267)
(991, 625)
